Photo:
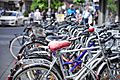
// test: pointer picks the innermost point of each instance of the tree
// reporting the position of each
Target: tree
(78, 1)
(112, 6)
(55, 4)
(43, 4)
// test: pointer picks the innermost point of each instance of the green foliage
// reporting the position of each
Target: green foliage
(112, 6)
(43, 4)
(55, 4)
(34, 5)
(26, 13)
(78, 1)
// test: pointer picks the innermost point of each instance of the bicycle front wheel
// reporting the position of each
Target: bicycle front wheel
(16, 44)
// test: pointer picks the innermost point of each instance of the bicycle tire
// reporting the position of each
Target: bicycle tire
(115, 70)
(37, 67)
(43, 60)
(15, 44)
(25, 48)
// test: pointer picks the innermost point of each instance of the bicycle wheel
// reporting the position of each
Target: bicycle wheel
(16, 44)
(32, 60)
(27, 49)
(115, 72)
(37, 72)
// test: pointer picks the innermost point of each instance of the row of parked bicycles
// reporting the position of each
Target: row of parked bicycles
(66, 51)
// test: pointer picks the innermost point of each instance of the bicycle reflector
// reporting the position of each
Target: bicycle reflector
(91, 29)
(10, 77)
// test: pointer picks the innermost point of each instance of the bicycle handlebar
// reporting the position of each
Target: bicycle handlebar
(107, 39)
(111, 26)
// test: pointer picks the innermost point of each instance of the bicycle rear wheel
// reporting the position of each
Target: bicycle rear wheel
(115, 71)
(37, 72)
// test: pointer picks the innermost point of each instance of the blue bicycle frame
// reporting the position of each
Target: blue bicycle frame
(78, 60)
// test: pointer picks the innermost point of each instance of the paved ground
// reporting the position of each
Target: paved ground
(6, 60)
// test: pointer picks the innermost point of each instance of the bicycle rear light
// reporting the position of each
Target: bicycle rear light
(91, 29)
(10, 77)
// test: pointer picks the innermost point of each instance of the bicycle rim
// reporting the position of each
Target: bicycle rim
(16, 44)
(26, 49)
(115, 72)
(37, 73)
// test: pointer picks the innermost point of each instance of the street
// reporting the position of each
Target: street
(6, 59)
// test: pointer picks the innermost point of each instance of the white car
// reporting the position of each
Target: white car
(12, 18)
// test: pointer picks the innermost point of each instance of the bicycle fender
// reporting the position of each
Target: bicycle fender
(101, 68)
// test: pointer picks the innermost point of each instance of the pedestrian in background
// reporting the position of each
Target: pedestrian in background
(71, 11)
(96, 17)
(44, 14)
(31, 16)
(53, 14)
(37, 15)
(86, 14)
(79, 16)
(91, 18)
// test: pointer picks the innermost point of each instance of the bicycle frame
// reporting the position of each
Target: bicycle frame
(89, 66)
(83, 69)
(61, 65)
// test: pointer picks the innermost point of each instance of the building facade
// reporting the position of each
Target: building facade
(21, 5)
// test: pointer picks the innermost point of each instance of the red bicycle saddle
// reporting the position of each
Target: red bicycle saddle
(56, 45)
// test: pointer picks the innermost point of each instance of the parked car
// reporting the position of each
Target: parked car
(12, 18)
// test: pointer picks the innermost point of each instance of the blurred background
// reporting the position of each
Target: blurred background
(106, 7)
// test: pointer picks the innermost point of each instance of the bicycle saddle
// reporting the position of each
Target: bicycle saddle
(56, 45)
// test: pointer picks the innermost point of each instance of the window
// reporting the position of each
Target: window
(9, 14)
